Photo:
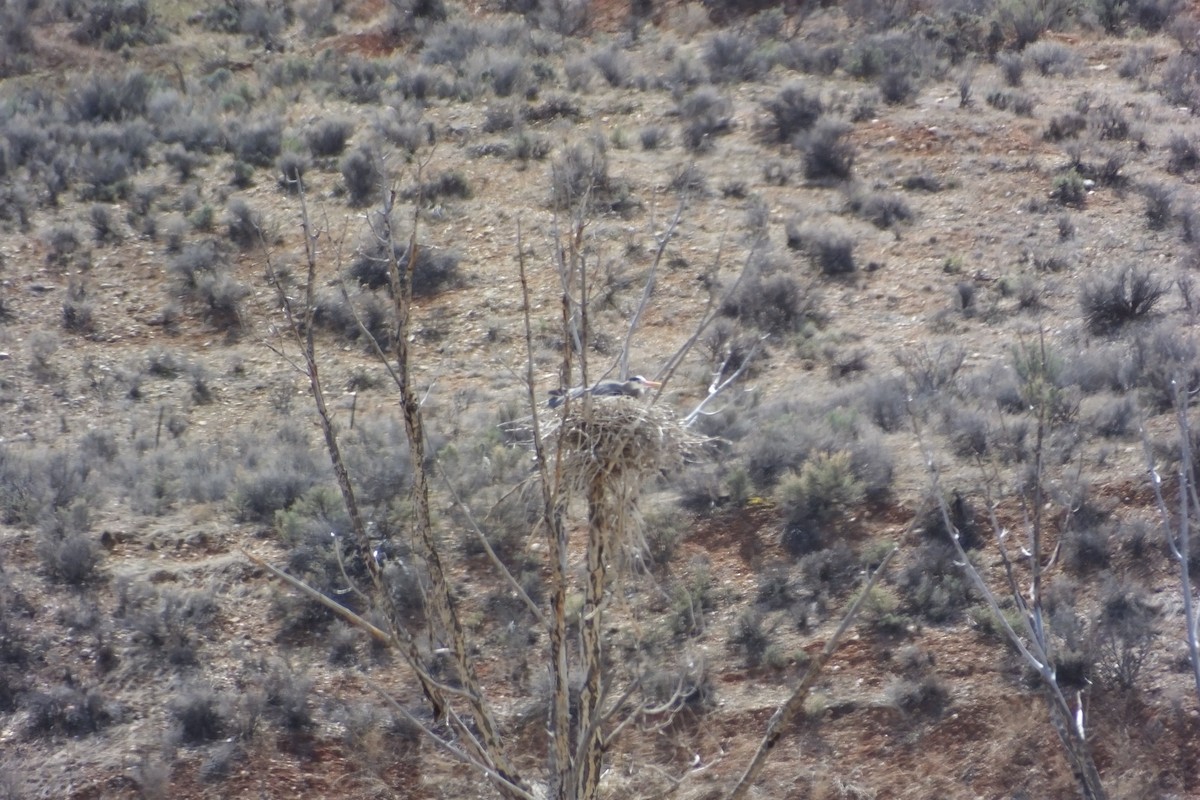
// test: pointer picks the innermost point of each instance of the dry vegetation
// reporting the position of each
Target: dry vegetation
(929, 234)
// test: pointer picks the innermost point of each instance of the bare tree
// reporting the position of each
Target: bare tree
(592, 459)
(1178, 529)
(479, 738)
(1028, 631)
(591, 455)
(602, 453)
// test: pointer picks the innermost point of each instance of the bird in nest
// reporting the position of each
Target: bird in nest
(635, 387)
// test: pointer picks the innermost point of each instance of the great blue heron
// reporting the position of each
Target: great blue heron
(634, 387)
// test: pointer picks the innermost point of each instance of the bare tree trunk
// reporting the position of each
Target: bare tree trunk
(442, 600)
(560, 712)
(590, 747)
(556, 536)
(1074, 741)
(1181, 545)
(302, 328)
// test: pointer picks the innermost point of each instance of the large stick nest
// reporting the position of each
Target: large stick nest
(617, 440)
(607, 449)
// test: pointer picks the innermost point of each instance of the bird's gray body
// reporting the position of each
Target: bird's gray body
(634, 387)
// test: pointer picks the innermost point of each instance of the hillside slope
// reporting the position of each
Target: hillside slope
(934, 247)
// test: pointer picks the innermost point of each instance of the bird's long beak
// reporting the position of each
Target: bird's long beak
(653, 384)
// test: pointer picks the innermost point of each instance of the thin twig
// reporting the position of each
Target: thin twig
(450, 749)
(648, 289)
(513, 583)
(781, 718)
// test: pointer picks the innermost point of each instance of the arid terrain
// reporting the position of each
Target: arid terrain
(946, 252)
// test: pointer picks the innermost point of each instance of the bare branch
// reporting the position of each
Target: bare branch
(711, 310)
(474, 763)
(710, 313)
(718, 386)
(332, 605)
(351, 585)
(442, 601)
(648, 290)
(346, 614)
(785, 713)
(301, 326)
(512, 582)
(1067, 723)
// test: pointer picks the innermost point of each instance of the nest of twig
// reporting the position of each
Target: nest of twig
(616, 444)
(606, 451)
